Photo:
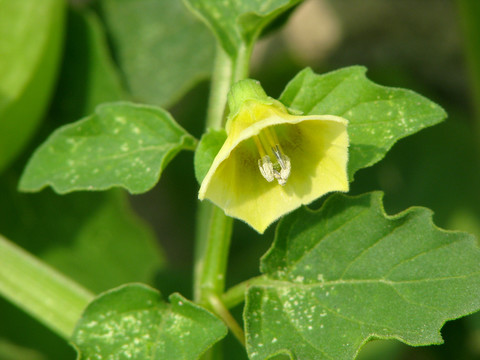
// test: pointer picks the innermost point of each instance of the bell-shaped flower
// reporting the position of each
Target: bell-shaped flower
(274, 161)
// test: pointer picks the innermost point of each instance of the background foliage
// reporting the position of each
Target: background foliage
(100, 62)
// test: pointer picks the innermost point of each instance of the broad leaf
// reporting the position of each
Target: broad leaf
(161, 48)
(378, 116)
(238, 23)
(31, 33)
(207, 149)
(337, 277)
(133, 322)
(88, 76)
(110, 246)
(73, 233)
(122, 144)
(92, 237)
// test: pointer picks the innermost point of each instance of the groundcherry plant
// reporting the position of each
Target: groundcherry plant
(333, 279)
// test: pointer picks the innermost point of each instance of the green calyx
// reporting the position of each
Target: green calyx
(245, 90)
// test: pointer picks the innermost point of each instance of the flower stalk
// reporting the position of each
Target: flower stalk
(214, 228)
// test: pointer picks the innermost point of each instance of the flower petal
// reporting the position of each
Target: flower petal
(316, 145)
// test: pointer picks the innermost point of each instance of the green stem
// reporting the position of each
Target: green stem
(226, 73)
(220, 86)
(232, 324)
(214, 228)
(39, 290)
(214, 232)
(236, 294)
(241, 64)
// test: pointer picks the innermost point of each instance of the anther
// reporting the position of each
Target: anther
(266, 168)
(284, 162)
(267, 143)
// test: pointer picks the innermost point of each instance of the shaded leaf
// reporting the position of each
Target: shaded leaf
(161, 48)
(337, 277)
(88, 77)
(378, 116)
(133, 322)
(92, 237)
(122, 144)
(31, 33)
(11, 351)
(207, 149)
(238, 23)
(111, 246)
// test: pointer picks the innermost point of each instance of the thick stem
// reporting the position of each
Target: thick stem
(241, 64)
(226, 73)
(214, 232)
(214, 228)
(39, 290)
(220, 86)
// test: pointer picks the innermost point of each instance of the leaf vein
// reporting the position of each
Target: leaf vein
(331, 232)
(299, 332)
(420, 254)
(364, 251)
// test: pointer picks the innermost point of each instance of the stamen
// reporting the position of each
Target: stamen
(280, 170)
(260, 148)
(285, 166)
(266, 168)
(280, 157)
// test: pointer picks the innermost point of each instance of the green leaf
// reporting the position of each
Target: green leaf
(93, 237)
(378, 116)
(238, 23)
(111, 245)
(337, 277)
(207, 149)
(162, 49)
(122, 144)
(31, 33)
(88, 76)
(133, 322)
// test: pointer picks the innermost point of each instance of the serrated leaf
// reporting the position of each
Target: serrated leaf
(133, 322)
(161, 48)
(378, 116)
(207, 149)
(31, 33)
(337, 277)
(238, 23)
(122, 144)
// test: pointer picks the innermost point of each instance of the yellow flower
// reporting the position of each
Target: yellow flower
(272, 161)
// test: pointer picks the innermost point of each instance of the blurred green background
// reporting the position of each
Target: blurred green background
(154, 51)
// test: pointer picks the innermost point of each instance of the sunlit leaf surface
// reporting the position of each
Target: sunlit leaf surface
(337, 277)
